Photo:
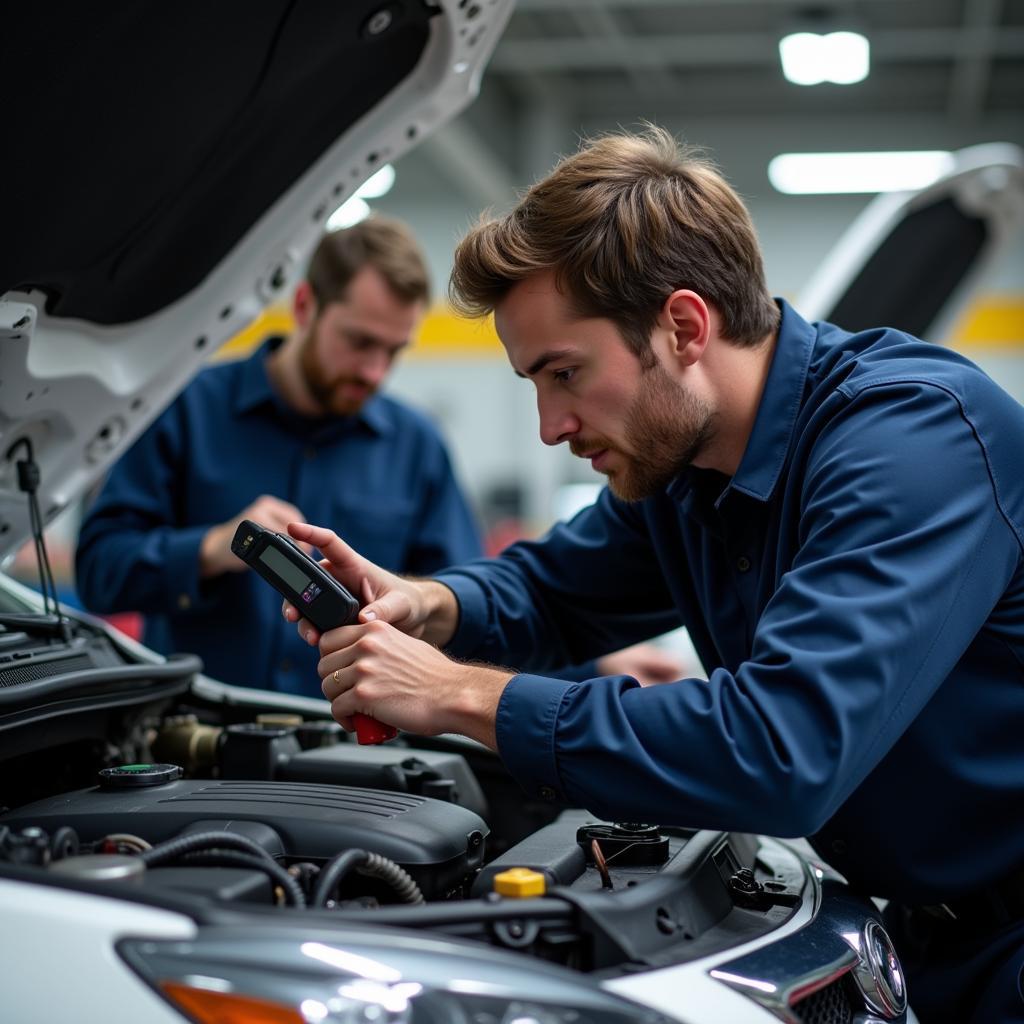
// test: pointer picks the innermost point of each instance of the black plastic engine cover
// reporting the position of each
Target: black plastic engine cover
(430, 773)
(440, 844)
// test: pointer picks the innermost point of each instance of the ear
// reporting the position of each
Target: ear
(686, 316)
(304, 307)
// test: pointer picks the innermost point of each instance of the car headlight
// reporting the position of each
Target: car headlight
(230, 976)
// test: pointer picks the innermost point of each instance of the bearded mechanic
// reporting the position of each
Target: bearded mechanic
(837, 518)
(298, 429)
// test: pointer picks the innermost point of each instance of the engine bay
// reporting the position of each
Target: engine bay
(123, 770)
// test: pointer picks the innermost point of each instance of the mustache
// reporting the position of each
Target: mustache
(580, 448)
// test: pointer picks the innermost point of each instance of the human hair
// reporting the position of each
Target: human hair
(383, 243)
(624, 222)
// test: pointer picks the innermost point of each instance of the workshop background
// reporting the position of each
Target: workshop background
(942, 74)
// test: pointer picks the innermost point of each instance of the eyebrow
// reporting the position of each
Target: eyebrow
(549, 357)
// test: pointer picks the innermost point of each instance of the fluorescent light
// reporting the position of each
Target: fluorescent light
(355, 208)
(352, 211)
(810, 173)
(849, 57)
(378, 184)
(840, 57)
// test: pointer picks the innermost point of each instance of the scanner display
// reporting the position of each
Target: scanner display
(287, 570)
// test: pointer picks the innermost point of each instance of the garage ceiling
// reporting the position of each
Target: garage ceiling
(961, 57)
(952, 68)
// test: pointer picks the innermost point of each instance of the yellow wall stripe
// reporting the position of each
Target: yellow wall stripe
(994, 321)
(442, 334)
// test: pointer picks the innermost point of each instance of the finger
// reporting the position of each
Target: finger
(347, 722)
(304, 627)
(333, 548)
(392, 606)
(334, 683)
(340, 638)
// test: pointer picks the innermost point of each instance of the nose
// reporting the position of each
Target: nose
(557, 421)
(375, 366)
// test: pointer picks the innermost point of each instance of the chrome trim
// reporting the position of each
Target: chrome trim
(842, 938)
(878, 974)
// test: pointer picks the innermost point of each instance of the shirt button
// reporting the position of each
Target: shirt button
(546, 793)
(184, 602)
(743, 563)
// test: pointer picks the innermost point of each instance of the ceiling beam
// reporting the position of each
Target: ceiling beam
(598, 22)
(971, 72)
(462, 155)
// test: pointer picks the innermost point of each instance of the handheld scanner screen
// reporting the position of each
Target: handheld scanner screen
(318, 596)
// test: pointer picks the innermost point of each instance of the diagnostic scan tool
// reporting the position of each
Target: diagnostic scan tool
(318, 596)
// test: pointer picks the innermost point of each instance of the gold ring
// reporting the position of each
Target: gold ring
(334, 675)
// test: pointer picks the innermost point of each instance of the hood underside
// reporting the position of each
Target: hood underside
(174, 171)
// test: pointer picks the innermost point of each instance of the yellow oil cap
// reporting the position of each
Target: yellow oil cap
(519, 883)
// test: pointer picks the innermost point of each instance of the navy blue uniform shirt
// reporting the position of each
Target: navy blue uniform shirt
(381, 479)
(856, 594)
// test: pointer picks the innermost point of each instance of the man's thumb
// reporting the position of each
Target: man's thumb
(391, 607)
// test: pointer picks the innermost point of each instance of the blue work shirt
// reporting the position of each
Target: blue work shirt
(856, 594)
(382, 479)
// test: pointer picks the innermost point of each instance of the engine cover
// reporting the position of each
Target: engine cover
(440, 844)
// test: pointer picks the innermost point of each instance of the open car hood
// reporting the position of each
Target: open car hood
(911, 259)
(173, 178)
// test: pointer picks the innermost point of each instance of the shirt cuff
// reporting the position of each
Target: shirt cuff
(181, 563)
(526, 726)
(471, 632)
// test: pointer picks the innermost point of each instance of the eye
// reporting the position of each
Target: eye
(564, 376)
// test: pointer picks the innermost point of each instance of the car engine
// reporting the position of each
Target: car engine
(123, 772)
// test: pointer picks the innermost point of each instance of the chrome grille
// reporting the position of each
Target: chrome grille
(829, 1005)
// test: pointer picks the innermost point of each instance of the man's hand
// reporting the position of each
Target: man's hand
(421, 608)
(646, 663)
(215, 554)
(374, 669)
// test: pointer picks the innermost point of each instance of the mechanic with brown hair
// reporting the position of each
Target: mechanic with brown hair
(296, 431)
(837, 518)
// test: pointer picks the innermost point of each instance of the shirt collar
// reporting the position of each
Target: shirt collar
(770, 438)
(255, 390)
(769, 442)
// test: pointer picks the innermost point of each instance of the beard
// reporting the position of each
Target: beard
(329, 391)
(666, 428)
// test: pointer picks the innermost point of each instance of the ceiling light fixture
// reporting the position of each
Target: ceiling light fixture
(356, 208)
(830, 173)
(351, 212)
(809, 58)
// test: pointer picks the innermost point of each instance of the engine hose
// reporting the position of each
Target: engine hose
(175, 848)
(233, 858)
(371, 864)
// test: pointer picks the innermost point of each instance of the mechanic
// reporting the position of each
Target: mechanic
(837, 518)
(296, 431)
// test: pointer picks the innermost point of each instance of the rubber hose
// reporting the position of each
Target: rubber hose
(233, 858)
(371, 864)
(175, 848)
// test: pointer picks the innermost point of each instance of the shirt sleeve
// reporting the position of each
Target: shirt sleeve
(903, 553)
(131, 555)
(591, 586)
